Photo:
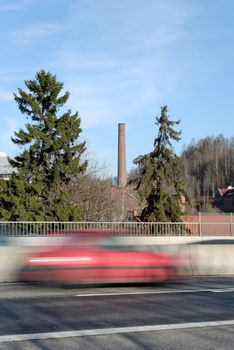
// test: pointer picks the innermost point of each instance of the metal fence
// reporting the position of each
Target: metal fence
(29, 229)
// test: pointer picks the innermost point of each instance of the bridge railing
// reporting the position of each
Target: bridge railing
(19, 229)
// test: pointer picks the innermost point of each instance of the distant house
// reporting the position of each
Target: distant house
(224, 199)
(126, 201)
(5, 168)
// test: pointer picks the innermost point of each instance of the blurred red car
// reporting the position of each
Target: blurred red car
(101, 259)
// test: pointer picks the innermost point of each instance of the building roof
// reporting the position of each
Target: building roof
(222, 191)
(5, 167)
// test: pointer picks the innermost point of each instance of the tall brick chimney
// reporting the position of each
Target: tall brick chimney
(121, 179)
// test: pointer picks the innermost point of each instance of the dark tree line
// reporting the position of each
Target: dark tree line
(208, 164)
(50, 180)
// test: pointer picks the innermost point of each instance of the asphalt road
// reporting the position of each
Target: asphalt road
(195, 314)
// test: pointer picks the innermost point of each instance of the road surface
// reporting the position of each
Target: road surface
(195, 314)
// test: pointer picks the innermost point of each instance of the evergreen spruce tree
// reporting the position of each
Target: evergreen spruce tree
(51, 155)
(160, 182)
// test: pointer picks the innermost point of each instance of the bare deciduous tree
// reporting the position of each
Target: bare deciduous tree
(208, 164)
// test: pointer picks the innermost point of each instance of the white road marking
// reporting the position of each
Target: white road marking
(227, 290)
(108, 331)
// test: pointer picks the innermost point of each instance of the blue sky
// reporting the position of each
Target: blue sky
(121, 61)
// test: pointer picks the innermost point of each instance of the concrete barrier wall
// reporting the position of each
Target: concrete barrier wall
(205, 256)
(11, 259)
(154, 240)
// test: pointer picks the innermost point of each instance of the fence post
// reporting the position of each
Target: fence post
(231, 224)
(200, 233)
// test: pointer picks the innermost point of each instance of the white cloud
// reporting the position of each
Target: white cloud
(121, 71)
(105, 90)
(88, 101)
(9, 7)
(6, 96)
(128, 67)
(12, 5)
(35, 31)
(10, 126)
